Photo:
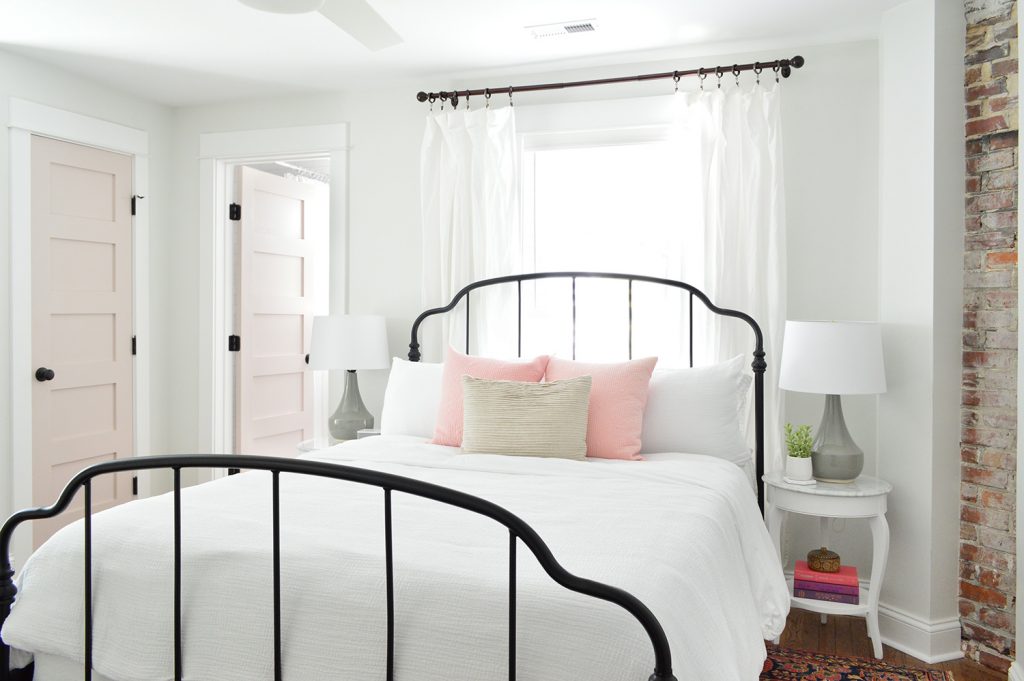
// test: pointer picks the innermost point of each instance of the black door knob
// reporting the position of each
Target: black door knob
(44, 374)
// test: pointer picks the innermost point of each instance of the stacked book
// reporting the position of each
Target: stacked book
(838, 587)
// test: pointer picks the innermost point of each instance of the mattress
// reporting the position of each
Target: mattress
(680, 532)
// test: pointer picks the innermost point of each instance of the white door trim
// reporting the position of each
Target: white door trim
(216, 152)
(27, 119)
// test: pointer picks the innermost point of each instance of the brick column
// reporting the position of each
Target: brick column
(989, 406)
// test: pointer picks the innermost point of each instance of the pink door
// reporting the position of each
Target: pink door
(280, 232)
(81, 322)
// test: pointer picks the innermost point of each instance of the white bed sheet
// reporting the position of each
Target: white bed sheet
(681, 532)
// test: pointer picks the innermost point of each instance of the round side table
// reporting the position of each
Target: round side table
(865, 497)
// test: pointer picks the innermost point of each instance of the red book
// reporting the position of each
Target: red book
(830, 588)
(847, 575)
(826, 596)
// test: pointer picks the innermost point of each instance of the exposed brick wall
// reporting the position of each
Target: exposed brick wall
(989, 404)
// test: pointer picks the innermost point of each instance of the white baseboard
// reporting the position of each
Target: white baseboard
(931, 642)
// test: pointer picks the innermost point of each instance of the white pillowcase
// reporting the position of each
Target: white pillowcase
(411, 399)
(699, 411)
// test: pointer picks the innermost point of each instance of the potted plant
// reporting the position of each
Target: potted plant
(798, 463)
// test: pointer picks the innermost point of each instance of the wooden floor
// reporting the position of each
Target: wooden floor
(848, 636)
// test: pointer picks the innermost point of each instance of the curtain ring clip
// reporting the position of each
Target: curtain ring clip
(675, 77)
(510, 102)
(757, 71)
(487, 98)
(703, 76)
(736, 73)
(718, 74)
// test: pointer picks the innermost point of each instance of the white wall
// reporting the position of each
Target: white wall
(920, 304)
(836, 91)
(27, 79)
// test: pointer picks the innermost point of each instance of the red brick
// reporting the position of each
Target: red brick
(1003, 140)
(990, 54)
(994, 661)
(993, 160)
(973, 111)
(1002, 258)
(972, 75)
(982, 126)
(999, 179)
(974, 147)
(972, 185)
(976, 92)
(997, 200)
(983, 594)
(997, 104)
(984, 476)
(1003, 220)
(967, 608)
(992, 499)
(1004, 67)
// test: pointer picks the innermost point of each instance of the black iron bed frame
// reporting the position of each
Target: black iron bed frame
(519, 531)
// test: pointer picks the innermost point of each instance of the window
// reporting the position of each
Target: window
(616, 202)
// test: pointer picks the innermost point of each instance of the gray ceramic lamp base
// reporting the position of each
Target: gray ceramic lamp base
(351, 414)
(835, 457)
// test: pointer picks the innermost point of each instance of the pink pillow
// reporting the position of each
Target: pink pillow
(618, 395)
(448, 430)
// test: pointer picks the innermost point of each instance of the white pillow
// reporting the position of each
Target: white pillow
(698, 411)
(411, 399)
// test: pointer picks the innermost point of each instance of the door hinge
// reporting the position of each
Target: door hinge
(135, 347)
(234, 471)
(135, 485)
(135, 196)
(234, 212)
(234, 343)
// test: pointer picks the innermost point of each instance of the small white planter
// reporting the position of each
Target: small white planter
(798, 469)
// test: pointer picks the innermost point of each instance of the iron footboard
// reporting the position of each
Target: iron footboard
(519, 531)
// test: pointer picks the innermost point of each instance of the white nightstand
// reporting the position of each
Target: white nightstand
(865, 497)
(367, 432)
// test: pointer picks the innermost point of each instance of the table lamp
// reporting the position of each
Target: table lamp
(833, 358)
(349, 342)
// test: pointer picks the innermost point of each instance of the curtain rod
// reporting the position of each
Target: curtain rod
(783, 67)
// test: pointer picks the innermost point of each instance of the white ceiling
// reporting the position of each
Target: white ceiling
(181, 52)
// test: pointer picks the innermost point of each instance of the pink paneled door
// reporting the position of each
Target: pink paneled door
(81, 322)
(278, 240)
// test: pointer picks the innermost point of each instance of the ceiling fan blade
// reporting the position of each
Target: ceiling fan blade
(362, 22)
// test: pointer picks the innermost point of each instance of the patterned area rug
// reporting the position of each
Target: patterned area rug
(784, 664)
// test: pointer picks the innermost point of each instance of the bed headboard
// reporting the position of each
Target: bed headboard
(758, 364)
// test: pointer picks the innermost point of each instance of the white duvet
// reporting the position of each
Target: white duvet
(683, 535)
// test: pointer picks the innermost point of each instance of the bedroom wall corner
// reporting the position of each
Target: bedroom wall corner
(920, 252)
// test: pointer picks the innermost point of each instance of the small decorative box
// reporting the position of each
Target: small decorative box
(823, 560)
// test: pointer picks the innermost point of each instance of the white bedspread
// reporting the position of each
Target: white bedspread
(683, 535)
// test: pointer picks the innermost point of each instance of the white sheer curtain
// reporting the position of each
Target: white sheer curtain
(470, 207)
(744, 226)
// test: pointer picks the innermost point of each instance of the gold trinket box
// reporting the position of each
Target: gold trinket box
(823, 560)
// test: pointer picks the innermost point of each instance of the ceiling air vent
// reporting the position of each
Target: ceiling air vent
(562, 28)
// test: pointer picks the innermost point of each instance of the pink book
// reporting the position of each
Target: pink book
(847, 575)
(825, 596)
(830, 588)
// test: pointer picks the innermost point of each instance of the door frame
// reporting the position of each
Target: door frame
(28, 119)
(217, 153)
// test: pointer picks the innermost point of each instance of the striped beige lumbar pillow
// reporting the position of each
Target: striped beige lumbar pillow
(526, 419)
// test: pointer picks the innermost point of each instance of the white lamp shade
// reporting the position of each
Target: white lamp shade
(832, 358)
(349, 342)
